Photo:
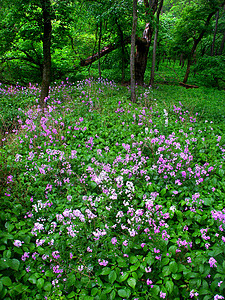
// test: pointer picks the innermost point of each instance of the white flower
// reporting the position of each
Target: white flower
(173, 208)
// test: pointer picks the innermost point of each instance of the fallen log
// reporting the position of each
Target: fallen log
(188, 86)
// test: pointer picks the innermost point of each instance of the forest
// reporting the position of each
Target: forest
(48, 41)
(112, 149)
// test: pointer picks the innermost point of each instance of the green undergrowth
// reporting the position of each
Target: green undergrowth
(106, 199)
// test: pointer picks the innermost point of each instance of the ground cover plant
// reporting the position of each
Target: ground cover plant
(105, 199)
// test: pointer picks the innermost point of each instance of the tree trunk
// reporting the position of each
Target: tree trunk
(132, 53)
(214, 36)
(123, 49)
(46, 72)
(155, 44)
(99, 49)
(222, 45)
(196, 42)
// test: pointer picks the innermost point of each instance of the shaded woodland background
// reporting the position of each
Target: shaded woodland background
(46, 41)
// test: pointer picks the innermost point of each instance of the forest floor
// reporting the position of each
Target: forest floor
(105, 199)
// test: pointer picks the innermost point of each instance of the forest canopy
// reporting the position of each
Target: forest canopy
(77, 39)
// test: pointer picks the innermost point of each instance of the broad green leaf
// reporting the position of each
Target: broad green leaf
(173, 267)
(155, 290)
(112, 295)
(105, 271)
(122, 293)
(132, 282)
(6, 281)
(32, 279)
(135, 267)
(107, 289)
(112, 276)
(40, 283)
(4, 263)
(71, 295)
(14, 264)
(94, 291)
(133, 259)
(123, 277)
(166, 271)
(165, 261)
(48, 286)
(169, 286)
(71, 280)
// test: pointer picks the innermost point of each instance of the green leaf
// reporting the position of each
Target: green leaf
(133, 259)
(14, 264)
(121, 262)
(135, 267)
(4, 263)
(108, 289)
(49, 273)
(71, 280)
(132, 282)
(204, 292)
(176, 276)
(48, 286)
(71, 295)
(105, 271)
(6, 281)
(166, 271)
(122, 293)
(169, 286)
(40, 283)
(155, 290)
(123, 277)
(112, 295)
(32, 279)
(165, 261)
(173, 267)
(163, 191)
(112, 276)
(94, 291)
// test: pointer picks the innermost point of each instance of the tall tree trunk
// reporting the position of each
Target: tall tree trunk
(155, 44)
(99, 49)
(214, 35)
(132, 53)
(222, 45)
(143, 45)
(122, 48)
(196, 42)
(46, 72)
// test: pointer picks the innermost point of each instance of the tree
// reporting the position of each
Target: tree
(46, 71)
(155, 43)
(132, 52)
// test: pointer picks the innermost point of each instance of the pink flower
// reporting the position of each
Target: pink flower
(212, 262)
(162, 295)
(17, 243)
(149, 282)
(114, 240)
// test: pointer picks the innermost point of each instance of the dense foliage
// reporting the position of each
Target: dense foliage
(81, 28)
(105, 199)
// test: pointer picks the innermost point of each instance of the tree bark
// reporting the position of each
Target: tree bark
(123, 49)
(99, 49)
(142, 50)
(155, 44)
(214, 35)
(222, 45)
(196, 42)
(46, 72)
(132, 53)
